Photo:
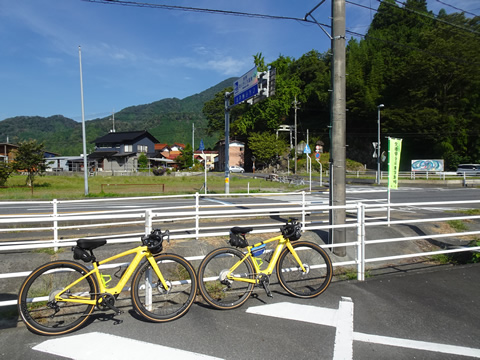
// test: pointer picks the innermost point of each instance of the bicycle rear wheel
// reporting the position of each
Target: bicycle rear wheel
(317, 264)
(215, 288)
(36, 300)
(155, 303)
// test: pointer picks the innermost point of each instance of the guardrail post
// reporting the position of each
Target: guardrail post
(197, 215)
(55, 224)
(148, 222)
(360, 242)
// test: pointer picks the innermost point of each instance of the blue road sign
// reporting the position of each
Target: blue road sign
(246, 86)
(201, 147)
(307, 149)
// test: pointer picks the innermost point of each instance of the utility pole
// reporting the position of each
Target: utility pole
(193, 144)
(295, 106)
(338, 146)
(113, 120)
(85, 162)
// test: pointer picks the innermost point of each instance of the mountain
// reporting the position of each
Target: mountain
(169, 120)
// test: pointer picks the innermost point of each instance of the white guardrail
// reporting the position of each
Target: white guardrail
(197, 219)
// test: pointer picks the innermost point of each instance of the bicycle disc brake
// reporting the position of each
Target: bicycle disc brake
(223, 278)
(161, 289)
(307, 269)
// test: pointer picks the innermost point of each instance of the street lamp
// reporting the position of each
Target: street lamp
(378, 143)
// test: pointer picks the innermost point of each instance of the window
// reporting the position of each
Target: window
(128, 148)
(142, 148)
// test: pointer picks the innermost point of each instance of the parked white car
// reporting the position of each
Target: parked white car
(235, 168)
(468, 169)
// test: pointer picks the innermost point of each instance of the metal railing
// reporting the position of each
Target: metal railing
(196, 219)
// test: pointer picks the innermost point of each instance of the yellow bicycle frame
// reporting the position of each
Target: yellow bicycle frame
(273, 261)
(140, 252)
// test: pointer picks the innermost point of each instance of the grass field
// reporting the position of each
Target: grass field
(73, 187)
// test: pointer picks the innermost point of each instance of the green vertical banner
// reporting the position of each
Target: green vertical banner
(394, 150)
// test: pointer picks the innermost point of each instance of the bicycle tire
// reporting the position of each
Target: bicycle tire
(164, 305)
(307, 284)
(219, 292)
(39, 289)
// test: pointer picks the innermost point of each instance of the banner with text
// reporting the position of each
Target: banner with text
(394, 151)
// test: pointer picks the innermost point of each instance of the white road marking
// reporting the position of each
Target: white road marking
(342, 319)
(97, 345)
(343, 348)
(417, 345)
(305, 313)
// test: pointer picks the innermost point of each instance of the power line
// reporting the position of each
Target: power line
(456, 8)
(276, 17)
(428, 16)
(433, 17)
(194, 9)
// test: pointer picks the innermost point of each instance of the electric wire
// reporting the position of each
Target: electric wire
(194, 9)
(276, 17)
(428, 16)
(456, 8)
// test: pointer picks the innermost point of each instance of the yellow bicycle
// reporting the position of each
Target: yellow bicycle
(58, 297)
(227, 276)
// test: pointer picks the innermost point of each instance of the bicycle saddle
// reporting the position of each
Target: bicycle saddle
(90, 244)
(240, 230)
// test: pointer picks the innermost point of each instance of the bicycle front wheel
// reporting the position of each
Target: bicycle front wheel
(36, 301)
(156, 303)
(316, 262)
(216, 289)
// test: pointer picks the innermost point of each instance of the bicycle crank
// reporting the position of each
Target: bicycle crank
(264, 280)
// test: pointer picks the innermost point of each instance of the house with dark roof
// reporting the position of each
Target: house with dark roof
(119, 151)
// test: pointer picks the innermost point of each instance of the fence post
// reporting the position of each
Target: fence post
(360, 242)
(148, 222)
(303, 211)
(55, 224)
(197, 215)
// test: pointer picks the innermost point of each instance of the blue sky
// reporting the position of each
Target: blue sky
(133, 55)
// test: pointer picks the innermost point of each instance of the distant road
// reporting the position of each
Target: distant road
(358, 193)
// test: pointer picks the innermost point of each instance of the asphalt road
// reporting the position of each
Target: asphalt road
(358, 193)
(420, 314)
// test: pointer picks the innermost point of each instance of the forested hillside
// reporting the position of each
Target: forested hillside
(425, 70)
(169, 120)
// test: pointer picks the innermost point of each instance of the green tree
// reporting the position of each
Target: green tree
(142, 162)
(185, 159)
(6, 169)
(266, 147)
(30, 158)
